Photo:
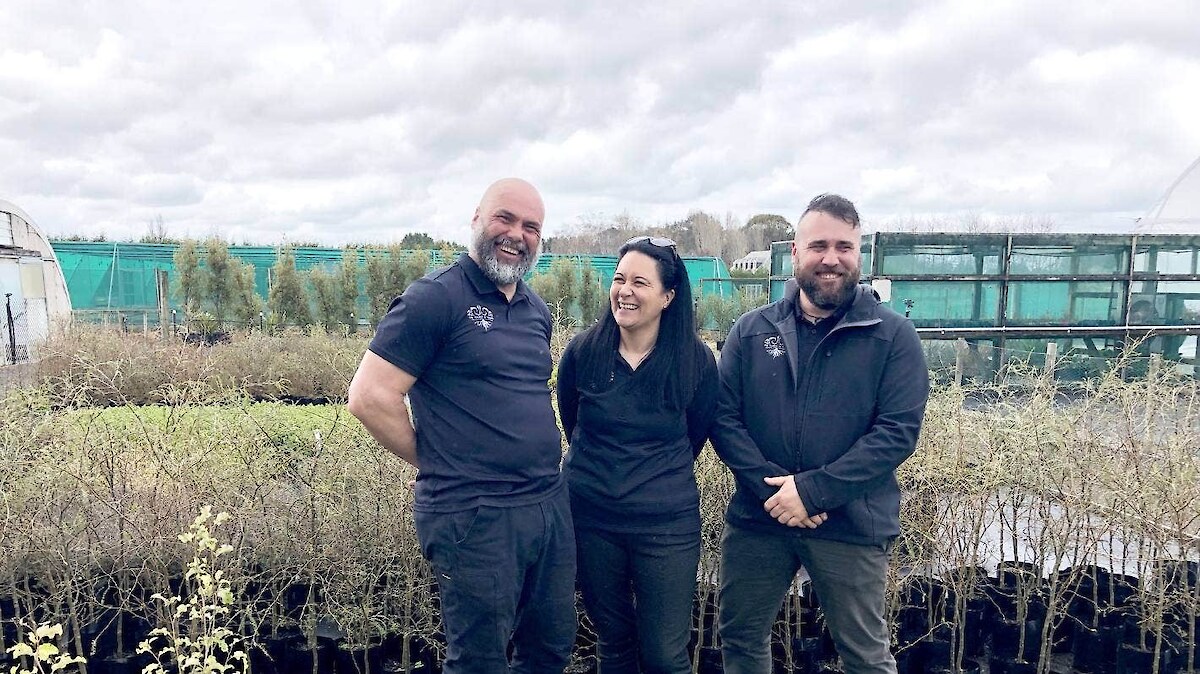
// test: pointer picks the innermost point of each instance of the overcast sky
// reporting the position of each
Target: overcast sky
(361, 121)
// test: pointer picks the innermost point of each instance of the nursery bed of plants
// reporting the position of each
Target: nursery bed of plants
(1038, 535)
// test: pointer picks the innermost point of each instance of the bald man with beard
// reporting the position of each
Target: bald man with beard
(469, 347)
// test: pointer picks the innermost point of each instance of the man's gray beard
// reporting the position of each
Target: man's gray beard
(498, 272)
(826, 300)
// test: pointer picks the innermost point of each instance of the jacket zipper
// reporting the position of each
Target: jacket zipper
(800, 426)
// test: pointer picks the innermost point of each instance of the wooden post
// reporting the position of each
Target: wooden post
(960, 358)
(162, 287)
(1051, 358)
(146, 324)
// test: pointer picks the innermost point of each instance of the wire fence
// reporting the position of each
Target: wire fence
(15, 338)
(982, 362)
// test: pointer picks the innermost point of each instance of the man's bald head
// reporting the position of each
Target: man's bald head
(515, 189)
(507, 231)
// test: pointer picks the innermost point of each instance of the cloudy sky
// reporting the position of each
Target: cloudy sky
(361, 121)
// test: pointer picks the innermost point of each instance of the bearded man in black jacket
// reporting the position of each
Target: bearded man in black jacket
(822, 397)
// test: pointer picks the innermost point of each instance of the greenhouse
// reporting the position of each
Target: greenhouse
(991, 298)
(33, 297)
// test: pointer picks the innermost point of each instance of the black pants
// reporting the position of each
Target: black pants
(638, 591)
(504, 574)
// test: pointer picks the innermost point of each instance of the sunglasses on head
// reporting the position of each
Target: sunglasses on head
(660, 241)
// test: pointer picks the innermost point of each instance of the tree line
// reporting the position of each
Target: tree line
(699, 233)
(213, 285)
(216, 289)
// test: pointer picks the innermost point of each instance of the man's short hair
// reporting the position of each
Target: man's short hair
(836, 205)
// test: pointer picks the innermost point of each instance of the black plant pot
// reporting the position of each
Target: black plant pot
(937, 654)
(710, 661)
(1062, 636)
(912, 624)
(300, 660)
(1119, 593)
(117, 665)
(969, 666)
(359, 661)
(1175, 661)
(1002, 665)
(924, 592)
(1010, 574)
(1087, 650)
(267, 656)
(1110, 639)
(1006, 639)
(100, 632)
(974, 628)
(1134, 660)
(1178, 575)
(808, 653)
(908, 662)
(423, 657)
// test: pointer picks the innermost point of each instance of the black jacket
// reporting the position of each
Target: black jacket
(842, 437)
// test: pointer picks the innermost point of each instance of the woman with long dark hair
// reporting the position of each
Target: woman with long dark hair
(636, 393)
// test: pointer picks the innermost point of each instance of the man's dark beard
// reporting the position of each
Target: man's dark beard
(827, 300)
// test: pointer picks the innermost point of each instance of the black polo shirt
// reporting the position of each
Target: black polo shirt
(486, 433)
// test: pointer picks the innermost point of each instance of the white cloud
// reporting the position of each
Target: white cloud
(363, 121)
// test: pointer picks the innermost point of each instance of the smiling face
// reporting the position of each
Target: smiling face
(637, 296)
(507, 230)
(826, 260)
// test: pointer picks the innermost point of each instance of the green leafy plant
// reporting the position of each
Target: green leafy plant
(196, 638)
(41, 652)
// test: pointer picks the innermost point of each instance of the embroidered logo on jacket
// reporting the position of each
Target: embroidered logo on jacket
(481, 316)
(774, 346)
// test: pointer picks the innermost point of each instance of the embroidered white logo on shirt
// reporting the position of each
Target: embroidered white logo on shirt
(481, 316)
(774, 346)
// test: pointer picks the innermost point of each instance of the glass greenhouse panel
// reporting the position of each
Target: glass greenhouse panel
(1164, 303)
(777, 287)
(1078, 358)
(980, 359)
(940, 260)
(948, 304)
(1065, 302)
(781, 259)
(1049, 260)
(1176, 257)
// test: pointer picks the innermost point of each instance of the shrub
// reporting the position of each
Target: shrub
(88, 366)
(1016, 472)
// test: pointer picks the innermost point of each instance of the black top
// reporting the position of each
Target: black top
(481, 404)
(630, 462)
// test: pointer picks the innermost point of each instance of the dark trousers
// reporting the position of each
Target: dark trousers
(504, 574)
(757, 569)
(638, 591)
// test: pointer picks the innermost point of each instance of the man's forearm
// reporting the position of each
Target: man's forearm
(391, 427)
(397, 437)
